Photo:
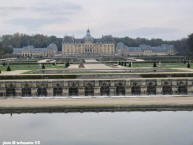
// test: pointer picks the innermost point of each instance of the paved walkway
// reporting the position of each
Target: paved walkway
(46, 102)
(97, 66)
(47, 60)
(184, 69)
(15, 72)
(73, 66)
(91, 60)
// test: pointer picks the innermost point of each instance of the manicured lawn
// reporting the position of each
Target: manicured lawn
(31, 67)
(163, 65)
(142, 64)
(34, 67)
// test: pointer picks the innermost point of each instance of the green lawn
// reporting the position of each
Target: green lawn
(163, 65)
(34, 67)
(31, 67)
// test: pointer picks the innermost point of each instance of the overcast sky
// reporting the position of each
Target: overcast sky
(166, 19)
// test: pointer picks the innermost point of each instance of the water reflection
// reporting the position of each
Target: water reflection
(119, 128)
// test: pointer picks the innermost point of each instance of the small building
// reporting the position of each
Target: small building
(145, 50)
(29, 51)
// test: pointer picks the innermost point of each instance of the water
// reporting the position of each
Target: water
(105, 128)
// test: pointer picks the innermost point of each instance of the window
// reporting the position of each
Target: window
(105, 90)
(151, 89)
(89, 90)
(120, 90)
(10, 91)
(42, 92)
(73, 91)
(26, 91)
(135, 89)
(167, 89)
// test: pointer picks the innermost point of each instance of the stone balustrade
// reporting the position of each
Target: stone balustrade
(83, 87)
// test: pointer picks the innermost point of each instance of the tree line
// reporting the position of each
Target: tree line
(20, 40)
(8, 42)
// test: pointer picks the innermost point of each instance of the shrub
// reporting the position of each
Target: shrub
(67, 64)
(154, 64)
(130, 64)
(125, 63)
(43, 66)
(188, 65)
(8, 68)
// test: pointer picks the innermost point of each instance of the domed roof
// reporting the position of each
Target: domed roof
(88, 37)
(52, 46)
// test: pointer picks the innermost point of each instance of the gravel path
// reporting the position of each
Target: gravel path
(15, 72)
(57, 102)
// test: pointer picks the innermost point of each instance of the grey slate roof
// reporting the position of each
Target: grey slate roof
(89, 38)
(31, 48)
(163, 47)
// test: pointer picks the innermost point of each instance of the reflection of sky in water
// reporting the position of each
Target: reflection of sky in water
(120, 128)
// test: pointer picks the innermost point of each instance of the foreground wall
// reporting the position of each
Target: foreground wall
(128, 87)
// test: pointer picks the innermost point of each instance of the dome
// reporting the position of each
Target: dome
(88, 37)
(52, 46)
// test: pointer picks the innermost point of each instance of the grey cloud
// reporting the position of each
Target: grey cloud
(65, 8)
(34, 23)
(119, 19)
(47, 8)
(166, 33)
(11, 8)
(156, 32)
(48, 13)
(4, 11)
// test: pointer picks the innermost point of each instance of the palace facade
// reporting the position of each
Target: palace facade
(88, 46)
(29, 51)
(145, 50)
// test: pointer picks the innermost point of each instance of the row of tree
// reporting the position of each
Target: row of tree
(20, 40)
(183, 46)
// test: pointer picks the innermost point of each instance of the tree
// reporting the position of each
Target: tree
(8, 68)
(125, 63)
(188, 65)
(154, 64)
(5, 49)
(184, 61)
(130, 64)
(190, 42)
(43, 66)
(67, 64)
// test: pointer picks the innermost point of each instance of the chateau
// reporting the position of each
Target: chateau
(29, 51)
(88, 46)
(145, 50)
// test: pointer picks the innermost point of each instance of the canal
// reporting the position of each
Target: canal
(102, 128)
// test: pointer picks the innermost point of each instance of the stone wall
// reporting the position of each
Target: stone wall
(128, 87)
